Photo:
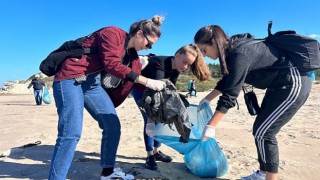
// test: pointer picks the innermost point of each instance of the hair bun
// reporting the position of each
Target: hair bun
(157, 20)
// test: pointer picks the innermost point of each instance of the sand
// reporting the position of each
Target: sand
(23, 122)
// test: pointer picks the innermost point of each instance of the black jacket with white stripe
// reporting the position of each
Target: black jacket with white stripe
(257, 64)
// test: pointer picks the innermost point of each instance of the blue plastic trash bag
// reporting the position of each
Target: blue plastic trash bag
(312, 75)
(206, 159)
(203, 158)
(46, 96)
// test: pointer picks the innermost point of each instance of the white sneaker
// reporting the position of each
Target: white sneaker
(258, 175)
(118, 174)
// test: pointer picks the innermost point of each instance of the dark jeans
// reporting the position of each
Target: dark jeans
(38, 96)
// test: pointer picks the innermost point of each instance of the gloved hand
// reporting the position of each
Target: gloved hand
(156, 85)
(208, 132)
(151, 129)
(204, 100)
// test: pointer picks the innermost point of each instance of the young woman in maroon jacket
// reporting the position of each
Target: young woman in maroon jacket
(78, 85)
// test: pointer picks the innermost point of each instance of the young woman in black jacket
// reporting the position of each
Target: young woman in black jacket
(168, 67)
(260, 65)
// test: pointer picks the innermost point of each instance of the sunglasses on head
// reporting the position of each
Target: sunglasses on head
(149, 45)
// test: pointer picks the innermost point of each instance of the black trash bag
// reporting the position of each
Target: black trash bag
(167, 107)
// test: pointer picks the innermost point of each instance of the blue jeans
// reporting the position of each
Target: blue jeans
(149, 142)
(71, 97)
(38, 96)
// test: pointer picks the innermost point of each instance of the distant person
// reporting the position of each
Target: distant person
(189, 87)
(37, 85)
(168, 67)
(257, 64)
(193, 88)
(77, 85)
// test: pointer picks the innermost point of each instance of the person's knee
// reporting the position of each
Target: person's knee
(110, 124)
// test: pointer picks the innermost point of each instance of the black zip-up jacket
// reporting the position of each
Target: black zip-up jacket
(159, 67)
(251, 63)
(37, 84)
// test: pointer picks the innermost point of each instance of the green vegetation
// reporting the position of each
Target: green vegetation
(186, 76)
(182, 80)
(215, 74)
(201, 86)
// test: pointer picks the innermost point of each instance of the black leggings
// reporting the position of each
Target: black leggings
(278, 107)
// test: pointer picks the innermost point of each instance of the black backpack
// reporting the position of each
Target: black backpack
(302, 51)
(51, 64)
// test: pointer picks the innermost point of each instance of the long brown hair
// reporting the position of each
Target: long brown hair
(199, 68)
(214, 35)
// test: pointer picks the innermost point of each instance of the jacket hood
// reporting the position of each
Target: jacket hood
(238, 39)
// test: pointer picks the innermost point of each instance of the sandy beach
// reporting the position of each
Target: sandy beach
(23, 122)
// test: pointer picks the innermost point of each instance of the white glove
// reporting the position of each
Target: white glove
(151, 129)
(203, 101)
(208, 132)
(156, 85)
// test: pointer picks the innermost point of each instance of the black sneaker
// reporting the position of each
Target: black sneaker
(151, 163)
(162, 157)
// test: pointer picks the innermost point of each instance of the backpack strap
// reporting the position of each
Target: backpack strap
(269, 28)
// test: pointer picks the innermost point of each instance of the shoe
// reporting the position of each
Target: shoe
(151, 163)
(162, 157)
(255, 176)
(118, 174)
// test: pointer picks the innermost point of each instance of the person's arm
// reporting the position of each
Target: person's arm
(156, 85)
(43, 84)
(110, 42)
(141, 80)
(229, 87)
(216, 118)
(213, 94)
(153, 72)
(218, 115)
(209, 130)
(30, 85)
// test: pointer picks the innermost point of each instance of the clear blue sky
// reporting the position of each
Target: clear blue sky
(30, 30)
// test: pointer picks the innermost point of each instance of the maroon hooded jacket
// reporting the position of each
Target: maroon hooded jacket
(110, 42)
